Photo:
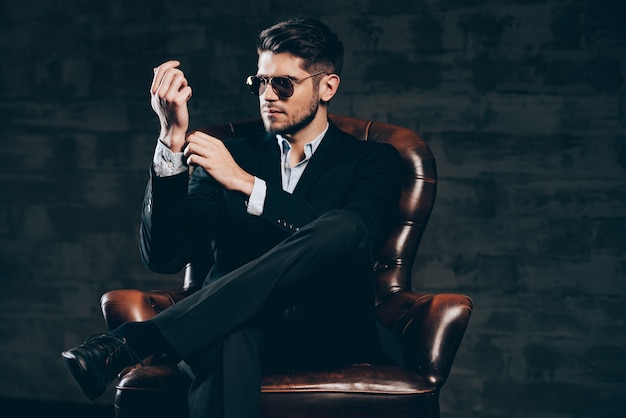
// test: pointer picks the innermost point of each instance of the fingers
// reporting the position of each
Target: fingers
(169, 83)
(206, 150)
(201, 144)
(210, 153)
(159, 72)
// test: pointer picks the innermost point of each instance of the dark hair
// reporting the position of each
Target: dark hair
(307, 38)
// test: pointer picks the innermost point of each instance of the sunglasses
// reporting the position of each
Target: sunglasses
(282, 86)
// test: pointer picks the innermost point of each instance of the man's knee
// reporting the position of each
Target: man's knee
(342, 230)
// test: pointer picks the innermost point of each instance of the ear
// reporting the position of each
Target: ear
(328, 87)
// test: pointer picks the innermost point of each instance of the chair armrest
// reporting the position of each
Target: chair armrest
(130, 305)
(429, 327)
(126, 305)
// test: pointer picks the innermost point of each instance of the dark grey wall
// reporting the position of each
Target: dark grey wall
(522, 101)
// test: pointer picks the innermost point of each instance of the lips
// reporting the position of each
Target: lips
(272, 111)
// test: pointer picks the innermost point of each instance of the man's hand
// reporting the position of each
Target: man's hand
(169, 93)
(211, 154)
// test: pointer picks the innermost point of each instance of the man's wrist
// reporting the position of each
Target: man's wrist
(247, 184)
(174, 141)
(168, 163)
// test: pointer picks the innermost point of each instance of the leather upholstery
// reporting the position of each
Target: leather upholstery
(428, 327)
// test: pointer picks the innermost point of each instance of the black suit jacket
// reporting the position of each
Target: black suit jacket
(193, 219)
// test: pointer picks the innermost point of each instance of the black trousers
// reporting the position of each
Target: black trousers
(233, 329)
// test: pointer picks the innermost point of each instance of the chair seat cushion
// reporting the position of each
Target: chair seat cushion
(358, 378)
(361, 390)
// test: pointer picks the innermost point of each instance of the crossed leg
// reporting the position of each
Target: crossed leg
(324, 267)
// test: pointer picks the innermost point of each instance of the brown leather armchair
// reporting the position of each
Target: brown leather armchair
(427, 328)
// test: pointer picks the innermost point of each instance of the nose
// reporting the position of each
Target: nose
(269, 95)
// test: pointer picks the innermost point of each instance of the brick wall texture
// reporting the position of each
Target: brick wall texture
(522, 101)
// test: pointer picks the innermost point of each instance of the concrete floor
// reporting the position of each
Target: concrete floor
(27, 408)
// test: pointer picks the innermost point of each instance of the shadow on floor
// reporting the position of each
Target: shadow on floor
(28, 408)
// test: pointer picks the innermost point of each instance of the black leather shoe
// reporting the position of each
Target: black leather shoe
(96, 362)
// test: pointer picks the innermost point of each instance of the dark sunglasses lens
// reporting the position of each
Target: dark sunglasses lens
(282, 86)
(254, 84)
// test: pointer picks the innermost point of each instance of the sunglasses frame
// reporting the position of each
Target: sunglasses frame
(269, 81)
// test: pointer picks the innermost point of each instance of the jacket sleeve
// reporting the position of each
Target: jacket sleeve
(178, 219)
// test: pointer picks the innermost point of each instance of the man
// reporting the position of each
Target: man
(283, 226)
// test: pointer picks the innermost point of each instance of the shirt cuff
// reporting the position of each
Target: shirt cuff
(256, 202)
(167, 163)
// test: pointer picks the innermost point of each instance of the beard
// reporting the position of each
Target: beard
(294, 123)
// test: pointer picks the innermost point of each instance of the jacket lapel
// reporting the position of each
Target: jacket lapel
(328, 151)
(268, 157)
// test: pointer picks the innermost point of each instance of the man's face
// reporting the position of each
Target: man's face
(287, 115)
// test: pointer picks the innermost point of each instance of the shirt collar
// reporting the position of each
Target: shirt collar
(309, 148)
